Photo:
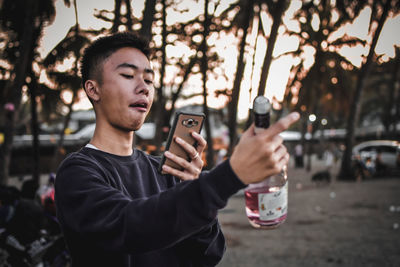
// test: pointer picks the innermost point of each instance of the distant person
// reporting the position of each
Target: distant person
(380, 166)
(329, 159)
(370, 165)
(29, 188)
(363, 169)
(114, 207)
(298, 152)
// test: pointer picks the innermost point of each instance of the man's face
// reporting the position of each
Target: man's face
(126, 90)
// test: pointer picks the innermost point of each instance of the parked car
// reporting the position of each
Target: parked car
(377, 157)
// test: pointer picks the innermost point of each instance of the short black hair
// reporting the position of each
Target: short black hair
(105, 46)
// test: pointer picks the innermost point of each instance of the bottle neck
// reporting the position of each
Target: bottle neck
(262, 120)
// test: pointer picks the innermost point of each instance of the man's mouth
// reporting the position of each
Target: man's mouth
(141, 106)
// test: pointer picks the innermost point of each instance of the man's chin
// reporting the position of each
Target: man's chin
(136, 126)
(130, 128)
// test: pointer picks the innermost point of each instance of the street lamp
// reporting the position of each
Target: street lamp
(312, 117)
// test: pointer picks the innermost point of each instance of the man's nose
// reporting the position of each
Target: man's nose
(142, 87)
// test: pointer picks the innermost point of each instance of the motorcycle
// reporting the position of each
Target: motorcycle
(29, 232)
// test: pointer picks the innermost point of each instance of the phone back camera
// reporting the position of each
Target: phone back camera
(189, 123)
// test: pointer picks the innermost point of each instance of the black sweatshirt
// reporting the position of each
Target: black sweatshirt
(119, 211)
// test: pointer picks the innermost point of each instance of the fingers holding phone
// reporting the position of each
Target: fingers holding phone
(191, 166)
(185, 145)
(194, 152)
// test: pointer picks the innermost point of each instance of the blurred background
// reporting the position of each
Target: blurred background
(335, 62)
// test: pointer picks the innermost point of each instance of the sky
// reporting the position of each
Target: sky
(279, 70)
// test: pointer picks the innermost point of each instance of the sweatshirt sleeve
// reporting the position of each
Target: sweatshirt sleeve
(205, 248)
(88, 208)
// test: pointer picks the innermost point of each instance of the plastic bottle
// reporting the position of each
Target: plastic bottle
(267, 201)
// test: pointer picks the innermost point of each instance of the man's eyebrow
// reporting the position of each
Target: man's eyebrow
(132, 66)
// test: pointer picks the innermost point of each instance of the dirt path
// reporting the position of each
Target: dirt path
(337, 224)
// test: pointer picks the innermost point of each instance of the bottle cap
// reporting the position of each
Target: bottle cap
(261, 105)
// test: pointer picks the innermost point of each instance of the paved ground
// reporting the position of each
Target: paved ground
(337, 224)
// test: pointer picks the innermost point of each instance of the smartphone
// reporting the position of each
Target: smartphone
(184, 124)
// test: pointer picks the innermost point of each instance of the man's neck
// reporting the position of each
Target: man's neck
(113, 141)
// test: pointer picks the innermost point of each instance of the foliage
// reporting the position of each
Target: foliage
(324, 88)
(22, 22)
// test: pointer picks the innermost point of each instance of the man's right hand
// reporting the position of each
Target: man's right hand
(257, 157)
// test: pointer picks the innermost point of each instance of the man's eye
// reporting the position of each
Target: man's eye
(127, 76)
(149, 81)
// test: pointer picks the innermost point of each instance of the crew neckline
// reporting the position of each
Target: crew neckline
(91, 146)
(95, 149)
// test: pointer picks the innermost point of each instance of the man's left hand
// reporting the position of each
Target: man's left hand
(191, 169)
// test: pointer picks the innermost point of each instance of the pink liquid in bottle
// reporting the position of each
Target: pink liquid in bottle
(267, 202)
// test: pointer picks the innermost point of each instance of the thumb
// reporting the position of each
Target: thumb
(249, 131)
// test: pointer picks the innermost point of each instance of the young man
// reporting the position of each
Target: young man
(114, 207)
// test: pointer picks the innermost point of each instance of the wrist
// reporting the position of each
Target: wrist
(238, 172)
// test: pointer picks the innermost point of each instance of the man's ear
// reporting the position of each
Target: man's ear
(92, 90)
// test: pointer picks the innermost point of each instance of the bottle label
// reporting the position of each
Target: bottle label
(272, 206)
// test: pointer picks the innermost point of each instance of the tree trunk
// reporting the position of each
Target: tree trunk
(204, 67)
(397, 105)
(233, 103)
(35, 130)
(396, 130)
(160, 105)
(390, 119)
(148, 17)
(117, 16)
(129, 22)
(279, 8)
(21, 68)
(249, 120)
(355, 108)
(76, 13)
